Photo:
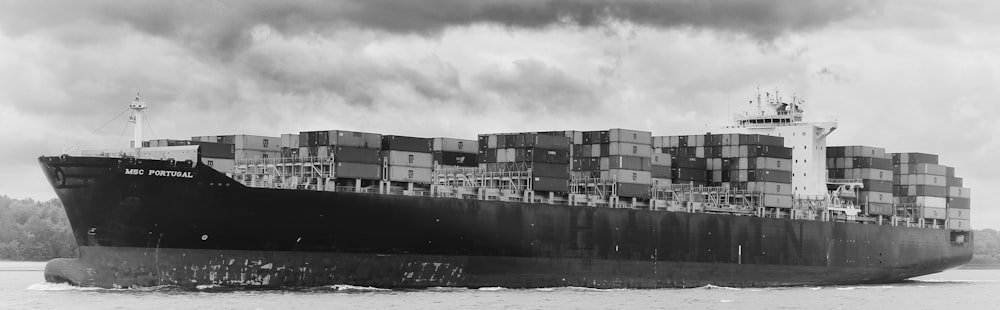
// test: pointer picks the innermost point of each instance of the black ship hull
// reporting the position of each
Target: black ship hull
(147, 223)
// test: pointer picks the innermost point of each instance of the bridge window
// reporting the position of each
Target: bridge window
(265, 143)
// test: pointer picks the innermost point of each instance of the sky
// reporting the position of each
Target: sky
(910, 76)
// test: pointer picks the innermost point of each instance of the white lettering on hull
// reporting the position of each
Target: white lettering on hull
(160, 173)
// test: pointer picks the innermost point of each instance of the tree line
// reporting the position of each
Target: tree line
(33, 230)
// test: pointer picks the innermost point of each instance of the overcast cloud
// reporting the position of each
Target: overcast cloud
(906, 75)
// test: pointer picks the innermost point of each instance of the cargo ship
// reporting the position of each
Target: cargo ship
(763, 202)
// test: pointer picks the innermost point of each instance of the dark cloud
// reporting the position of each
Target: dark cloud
(531, 85)
(222, 27)
(356, 79)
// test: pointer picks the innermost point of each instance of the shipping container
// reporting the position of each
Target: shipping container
(442, 144)
(547, 155)
(358, 171)
(629, 149)
(673, 141)
(766, 151)
(688, 174)
(455, 159)
(404, 143)
(256, 154)
(660, 171)
(224, 165)
(634, 190)
(409, 174)
(863, 162)
(921, 190)
(630, 136)
(931, 169)
(354, 154)
(956, 182)
(959, 224)
(629, 162)
(408, 159)
(660, 159)
(881, 209)
(928, 201)
(778, 201)
(550, 170)
(922, 179)
(216, 150)
(550, 184)
(877, 186)
(716, 176)
(960, 214)
(933, 213)
(914, 158)
(764, 175)
(875, 197)
(631, 176)
(874, 174)
(289, 140)
(959, 203)
(688, 162)
(542, 141)
(774, 164)
(772, 188)
(323, 138)
(491, 141)
(959, 192)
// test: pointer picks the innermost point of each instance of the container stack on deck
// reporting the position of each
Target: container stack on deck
(547, 156)
(355, 154)
(455, 153)
(248, 146)
(289, 145)
(622, 155)
(685, 157)
(758, 163)
(873, 167)
(409, 159)
(959, 204)
(220, 156)
(920, 187)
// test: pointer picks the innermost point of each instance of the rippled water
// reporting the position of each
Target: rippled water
(22, 287)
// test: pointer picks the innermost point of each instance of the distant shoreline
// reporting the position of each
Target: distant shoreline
(980, 266)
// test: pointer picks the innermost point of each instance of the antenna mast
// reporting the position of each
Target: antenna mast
(137, 106)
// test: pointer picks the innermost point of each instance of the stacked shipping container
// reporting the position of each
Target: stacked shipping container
(409, 158)
(289, 145)
(758, 163)
(620, 154)
(356, 154)
(920, 186)
(220, 156)
(959, 204)
(547, 155)
(455, 153)
(248, 146)
(873, 167)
